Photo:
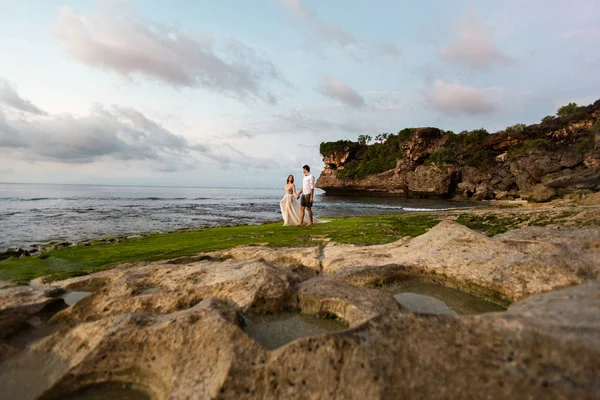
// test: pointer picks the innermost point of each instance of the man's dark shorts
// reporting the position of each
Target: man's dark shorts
(305, 201)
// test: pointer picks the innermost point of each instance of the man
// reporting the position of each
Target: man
(308, 190)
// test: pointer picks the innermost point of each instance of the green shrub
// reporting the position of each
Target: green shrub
(515, 130)
(481, 159)
(588, 142)
(474, 136)
(441, 157)
(405, 134)
(377, 157)
(547, 119)
(569, 110)
(341, 146)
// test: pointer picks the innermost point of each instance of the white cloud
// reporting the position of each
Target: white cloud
(329, 32)
(122, 134)
(474, 46)
(127, 46)
(454, 99)
(338, 90)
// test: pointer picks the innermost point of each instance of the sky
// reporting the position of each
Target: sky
(241, 93)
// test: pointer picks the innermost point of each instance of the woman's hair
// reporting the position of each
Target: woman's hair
(288, 179)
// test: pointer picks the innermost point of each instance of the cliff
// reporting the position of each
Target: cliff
(558, 156)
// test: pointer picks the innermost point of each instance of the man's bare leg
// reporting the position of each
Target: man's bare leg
(301, 216)
(309, 216)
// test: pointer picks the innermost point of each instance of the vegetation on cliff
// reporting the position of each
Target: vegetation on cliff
(561, 153)
(476, 148)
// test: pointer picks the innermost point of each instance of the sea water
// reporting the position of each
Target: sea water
(39, 213)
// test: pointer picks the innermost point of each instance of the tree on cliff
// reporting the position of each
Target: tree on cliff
(364, 139)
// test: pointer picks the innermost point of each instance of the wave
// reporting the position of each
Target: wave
(26, 199)
(416, 209)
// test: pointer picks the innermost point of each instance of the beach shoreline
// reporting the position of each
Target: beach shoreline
(62, 260)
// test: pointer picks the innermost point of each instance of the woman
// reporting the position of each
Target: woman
(290, 208)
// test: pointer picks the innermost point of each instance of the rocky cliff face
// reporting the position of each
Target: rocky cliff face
(538, 162)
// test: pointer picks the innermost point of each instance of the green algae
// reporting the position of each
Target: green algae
(73, 261)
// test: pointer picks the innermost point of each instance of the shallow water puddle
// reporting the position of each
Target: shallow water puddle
(428, 298)
(71, 298)
(39, 326)
(275, 330)
(421, 304)
(105, 391)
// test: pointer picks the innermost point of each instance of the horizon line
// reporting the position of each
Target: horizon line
(126, 185)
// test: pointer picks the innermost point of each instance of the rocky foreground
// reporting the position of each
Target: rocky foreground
(175, 329)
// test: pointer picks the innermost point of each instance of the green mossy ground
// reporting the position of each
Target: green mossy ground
(365, 230)
(80, 260)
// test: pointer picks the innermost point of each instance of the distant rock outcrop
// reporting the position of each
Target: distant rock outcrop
(538, 162)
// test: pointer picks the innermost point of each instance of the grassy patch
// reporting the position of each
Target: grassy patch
(80, 260)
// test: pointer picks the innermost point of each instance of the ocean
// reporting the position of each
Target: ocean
(40, 213)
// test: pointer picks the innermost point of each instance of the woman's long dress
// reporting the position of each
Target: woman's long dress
(290, 209)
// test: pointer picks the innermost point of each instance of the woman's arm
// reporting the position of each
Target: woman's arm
(295, 194)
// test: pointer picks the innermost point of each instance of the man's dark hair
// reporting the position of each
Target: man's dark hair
(306, 167)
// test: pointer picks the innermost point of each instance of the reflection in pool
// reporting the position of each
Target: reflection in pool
(275, 330)
(429, 298)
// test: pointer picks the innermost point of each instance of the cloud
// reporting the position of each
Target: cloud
(474, 46)
(9, 137)
(127, 46)
(329, 32)
(338, 90)
(10, 97)
(307, 123)
(587, 35)
(453, 99)
(111, 133)
(299, 9)
(389, 49)
(332, 32)
(385, 101)
(118, 133)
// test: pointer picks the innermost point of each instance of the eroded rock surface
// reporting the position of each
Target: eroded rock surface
(174, 329)
(499, 266)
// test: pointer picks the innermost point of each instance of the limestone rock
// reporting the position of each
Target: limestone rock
(301, 260)
(13, 252)
(349, 303)
(546, 346)
(459, 256)
(541, 194)
(430, 180)
(482, 192)
(164, 288)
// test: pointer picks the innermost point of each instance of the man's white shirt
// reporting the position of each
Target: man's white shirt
(308, 184)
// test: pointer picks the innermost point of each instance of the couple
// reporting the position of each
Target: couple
(292, 212)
